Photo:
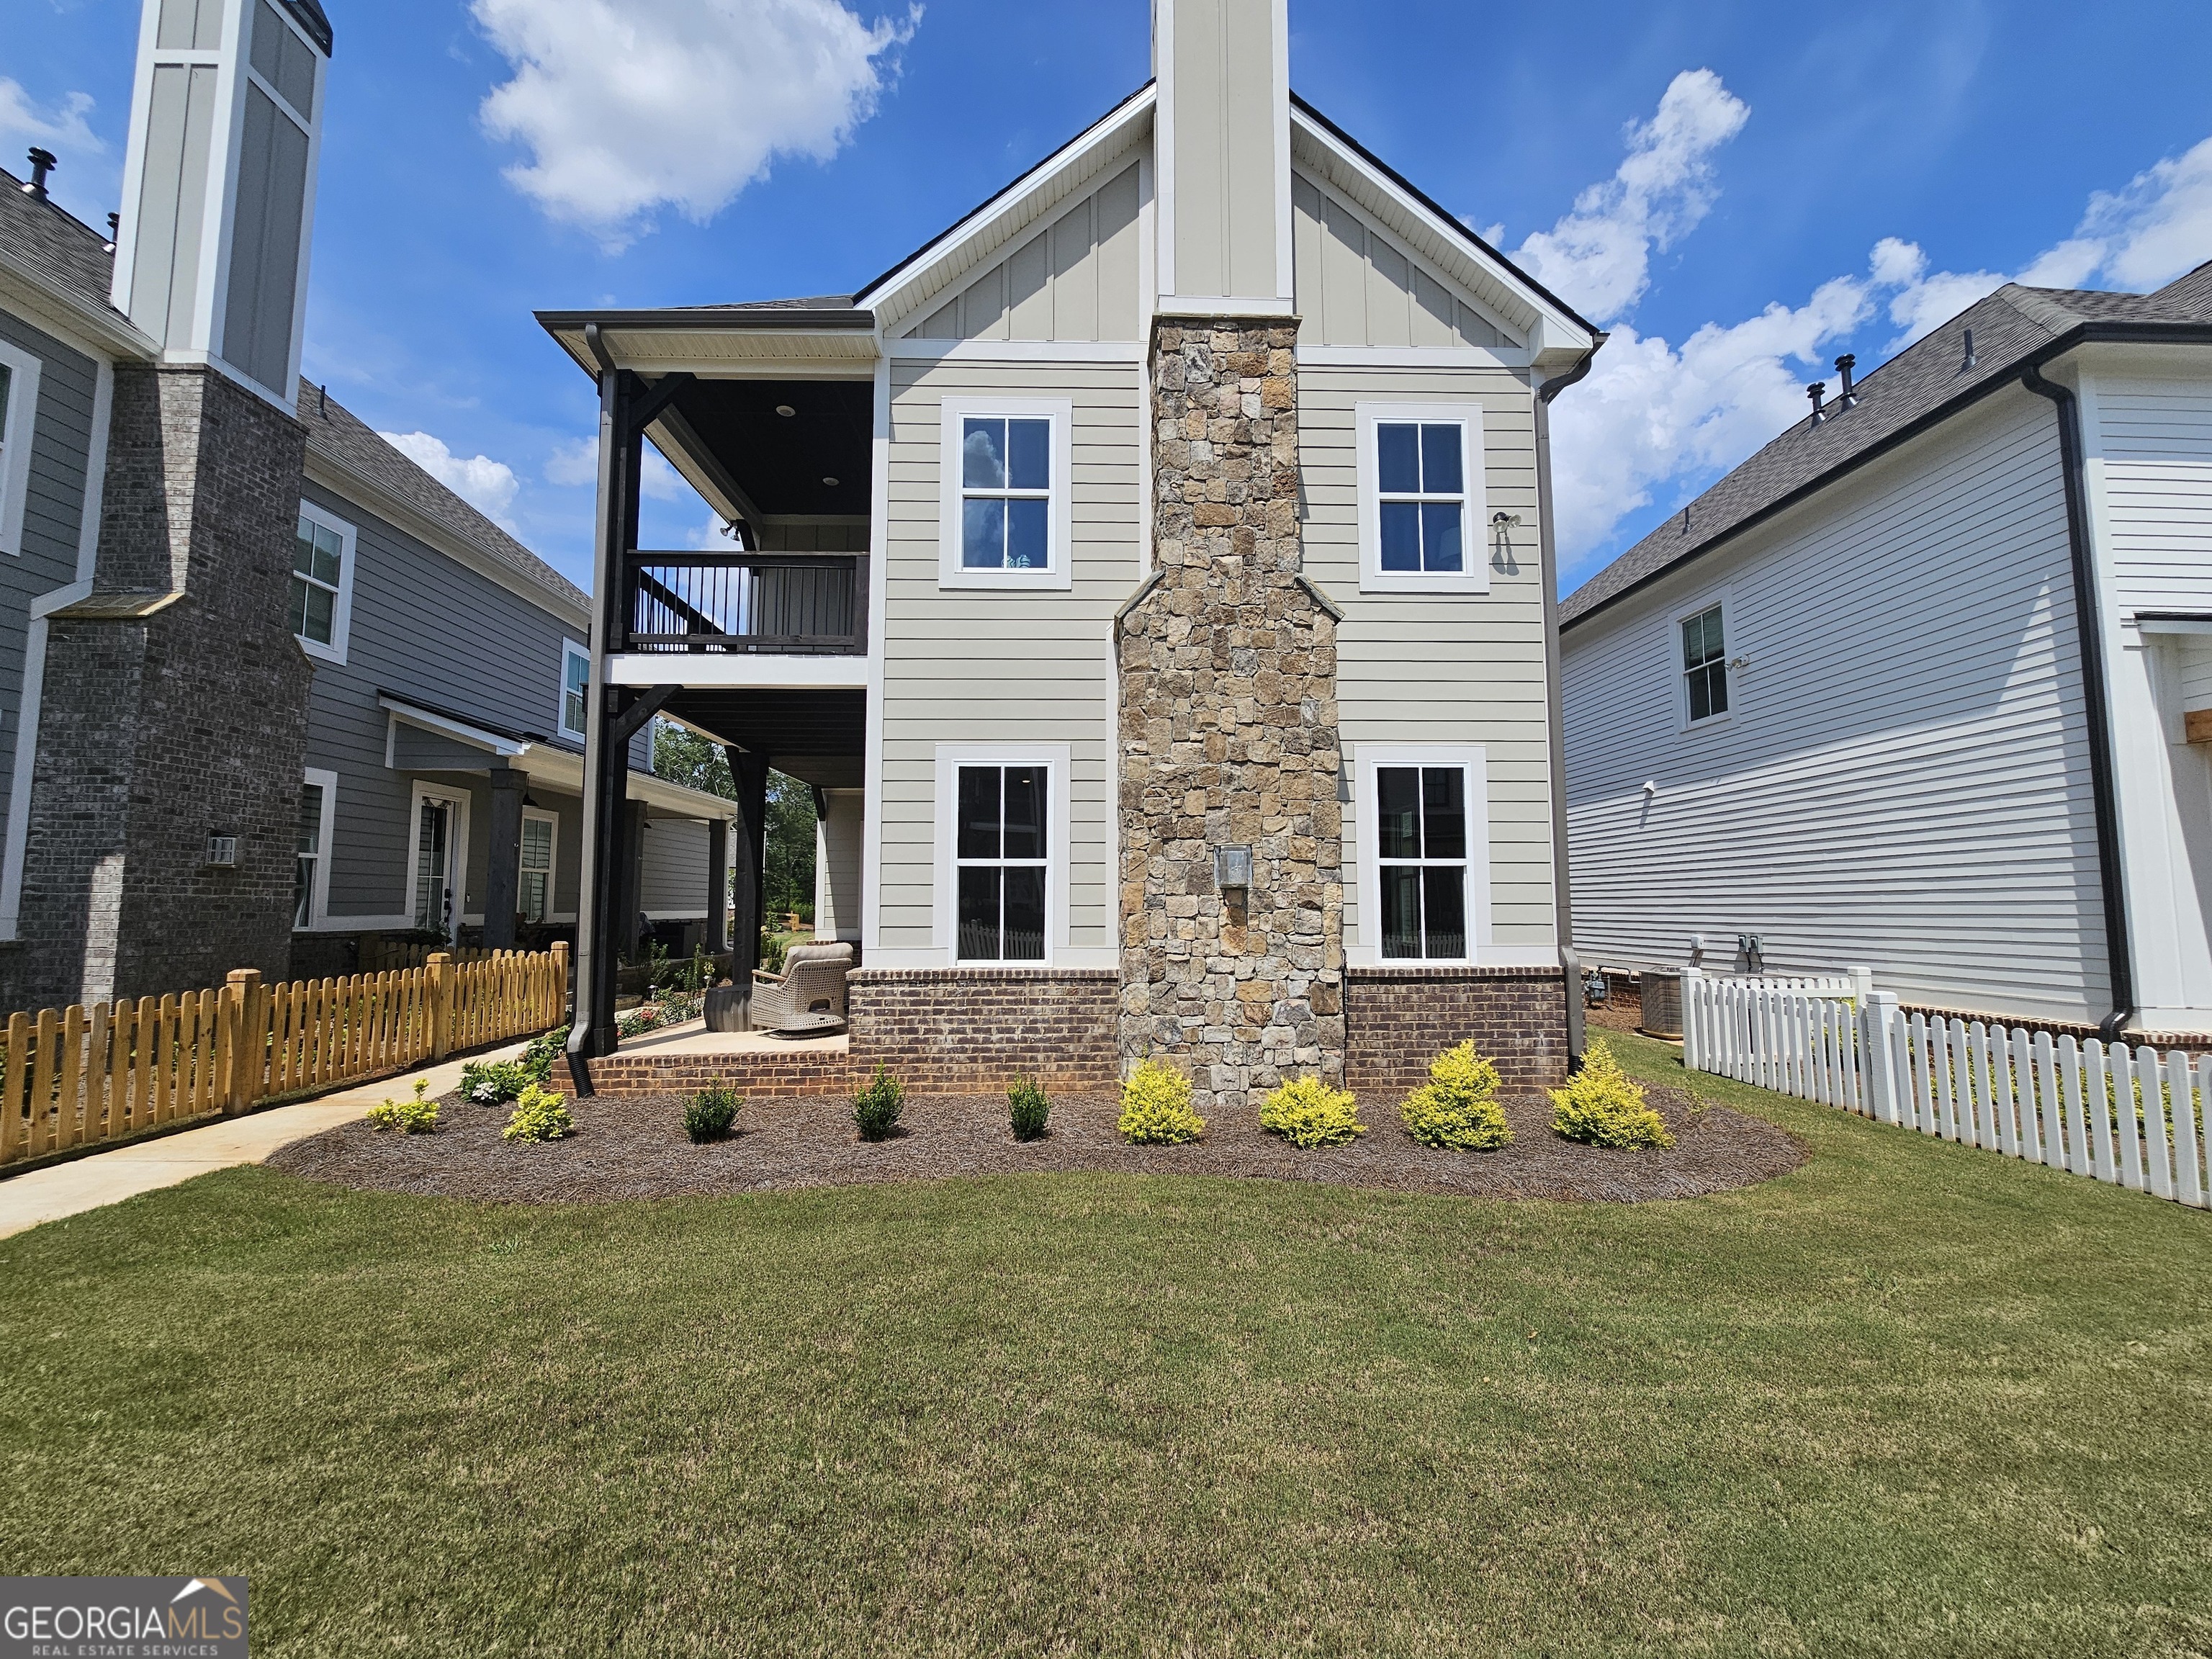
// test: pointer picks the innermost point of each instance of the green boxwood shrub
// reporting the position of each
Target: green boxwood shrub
(415, 1117)
(1603, 1106)
(877, 1105)
(1458, 1107)
(1029, 1108)
(1156, 1107)
(709, 1114)
(539, 1115)
(1307, 1112)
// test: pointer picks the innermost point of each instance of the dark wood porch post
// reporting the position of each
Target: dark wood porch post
(718, 886)
(503, 861)
(749, 876)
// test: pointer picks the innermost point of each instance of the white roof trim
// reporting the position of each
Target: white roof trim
(1440, 242)
(1013, 209)
(460, 731)
(74, 320)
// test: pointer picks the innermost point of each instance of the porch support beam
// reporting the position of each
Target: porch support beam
(748, 879)
(503, 860)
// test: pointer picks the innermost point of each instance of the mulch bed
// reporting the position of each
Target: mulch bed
(626, 1149)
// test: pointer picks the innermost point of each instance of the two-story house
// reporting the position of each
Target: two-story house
(267, 689)
(1925, 685)
(1154, 573)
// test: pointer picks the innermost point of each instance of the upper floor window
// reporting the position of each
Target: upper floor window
(1006, 492)
(312, 848)
(19, 403)
(575, 688)
(1421, 522)
(999, 851)
(1705, 664)
(322, 582)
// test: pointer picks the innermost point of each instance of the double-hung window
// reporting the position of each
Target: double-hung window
(534, 895)
(1006, 492)
(1705, 666)
(575, 687)
(322, 582)
(19, 403)
(1423, 836)
(312, 848)
(1003, 869)
(1421, 523)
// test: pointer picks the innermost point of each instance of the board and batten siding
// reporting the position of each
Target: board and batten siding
(428, 628)
(1416, 668)
(1023, 666)
(61, 447)
(1356, 287)
(1902, 781)
(1073, 279)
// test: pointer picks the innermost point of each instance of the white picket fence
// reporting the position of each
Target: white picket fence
(2132, 1117)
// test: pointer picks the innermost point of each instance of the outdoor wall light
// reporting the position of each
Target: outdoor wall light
(1232, 867)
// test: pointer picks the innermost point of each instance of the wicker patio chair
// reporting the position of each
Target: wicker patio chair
(808, 999)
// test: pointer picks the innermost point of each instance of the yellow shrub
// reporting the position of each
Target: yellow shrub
(418, 1117)
(1156, 1106)
(1458, 1107)
(1603, 1106)
(1307, 1112)
(539, 1115)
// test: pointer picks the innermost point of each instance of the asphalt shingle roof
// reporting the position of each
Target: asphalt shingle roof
(2009, 326)
(54, 243)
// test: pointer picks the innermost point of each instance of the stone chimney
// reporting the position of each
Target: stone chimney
(1231, 884)
(1223, 128)
(219, 183)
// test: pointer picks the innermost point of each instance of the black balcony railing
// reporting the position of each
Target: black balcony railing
(792, 603)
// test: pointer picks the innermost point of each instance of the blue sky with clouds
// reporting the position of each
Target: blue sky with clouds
(1739, 191)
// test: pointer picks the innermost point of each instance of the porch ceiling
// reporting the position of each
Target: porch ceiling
(780, 462)
(817, 737)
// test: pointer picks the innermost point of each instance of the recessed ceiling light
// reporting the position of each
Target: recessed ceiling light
(832, 482)
(786, 410)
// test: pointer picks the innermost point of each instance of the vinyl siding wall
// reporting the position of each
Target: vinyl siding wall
(1445, 668)
(61, 440)
(1902, 781)
(2153, 436)
(968, 665)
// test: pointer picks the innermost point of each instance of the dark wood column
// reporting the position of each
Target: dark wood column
(749, 875)
(503, 861)
(718, 885)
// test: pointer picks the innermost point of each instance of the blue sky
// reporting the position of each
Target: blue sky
(1752, 205)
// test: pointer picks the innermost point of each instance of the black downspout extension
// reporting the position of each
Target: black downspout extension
(1555, 715)
(2088, 616)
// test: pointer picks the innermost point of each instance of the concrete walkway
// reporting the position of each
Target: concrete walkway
(109, 1178)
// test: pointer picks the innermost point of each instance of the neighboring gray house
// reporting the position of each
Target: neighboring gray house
(1153, 574)
(244, 644)
(1926, 684)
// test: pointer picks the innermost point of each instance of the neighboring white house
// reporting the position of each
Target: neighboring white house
(1926, 684)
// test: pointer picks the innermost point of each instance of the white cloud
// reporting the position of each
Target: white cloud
(1599, 256)
(62, 130)
(625, 108)
(489, 486)
(1649, 415)
(577, 462)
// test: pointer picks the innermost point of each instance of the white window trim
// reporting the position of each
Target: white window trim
(319, 901)
(21, 426)
(944, 913)
(1059, 521)
(1725, 599)
(456, 848)
(569, 652)
(538, 814)
(1475, 759)
(342, 612)
(1476, 554)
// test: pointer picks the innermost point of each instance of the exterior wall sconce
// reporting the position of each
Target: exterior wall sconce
(1232, 867)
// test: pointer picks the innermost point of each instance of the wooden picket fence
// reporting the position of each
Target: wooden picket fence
(76, 1076)
(2130, 1117)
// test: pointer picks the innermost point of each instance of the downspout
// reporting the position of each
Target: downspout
(2088, 618)
(1555, 705)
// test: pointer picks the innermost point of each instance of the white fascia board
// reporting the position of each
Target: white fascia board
(96, 330)
(1540, 315)
(998, 220)
(563, 769)
(738, 670)
(341, 480)
(460, 731)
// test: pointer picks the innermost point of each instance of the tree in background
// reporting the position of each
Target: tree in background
(682, 756)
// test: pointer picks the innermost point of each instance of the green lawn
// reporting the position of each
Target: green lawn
(1910, 1399)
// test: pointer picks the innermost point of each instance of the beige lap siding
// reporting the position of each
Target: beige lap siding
(1444, 669)
(1015, 668)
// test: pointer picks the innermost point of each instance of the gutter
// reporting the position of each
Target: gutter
(1555, 704)
(2088, 623)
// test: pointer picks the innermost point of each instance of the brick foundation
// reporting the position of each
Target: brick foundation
(1401, 1019)
(938, 1030)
